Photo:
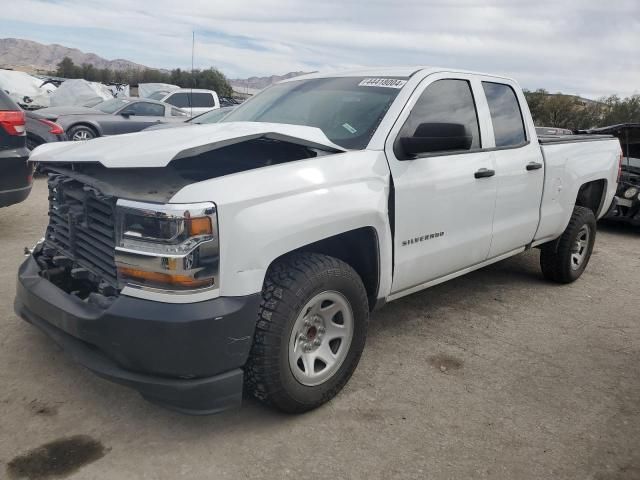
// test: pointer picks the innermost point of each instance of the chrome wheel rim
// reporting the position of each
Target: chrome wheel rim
(320, 338)
(81, 135)
(580, 247)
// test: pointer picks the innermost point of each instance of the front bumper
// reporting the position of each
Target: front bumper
(187, 357)
(624, 210)
(14, 195)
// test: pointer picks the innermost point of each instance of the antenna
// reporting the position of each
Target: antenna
(193, 79)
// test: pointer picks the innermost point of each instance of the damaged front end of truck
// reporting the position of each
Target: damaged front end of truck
(127, 281)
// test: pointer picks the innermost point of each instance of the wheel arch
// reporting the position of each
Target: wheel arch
(359, 248)
(592, 195)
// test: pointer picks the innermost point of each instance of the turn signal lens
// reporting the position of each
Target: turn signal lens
(200, 226)
(13, 122)
(620, 166)
(157, 279)
(54, 128)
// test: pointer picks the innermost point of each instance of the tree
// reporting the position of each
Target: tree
(211, 78)
(65, 68)
(568, 111)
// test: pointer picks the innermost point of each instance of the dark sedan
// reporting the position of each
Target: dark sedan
(112, 117)
(15, 172)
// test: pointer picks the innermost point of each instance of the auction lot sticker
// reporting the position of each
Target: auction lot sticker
(382, 82)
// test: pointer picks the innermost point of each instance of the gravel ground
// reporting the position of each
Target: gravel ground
(497, 374)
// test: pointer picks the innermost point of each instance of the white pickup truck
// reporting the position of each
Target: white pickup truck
(192, 263)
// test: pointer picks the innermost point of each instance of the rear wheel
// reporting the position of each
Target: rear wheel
(81, 132)
(310, 334)
(565, 259)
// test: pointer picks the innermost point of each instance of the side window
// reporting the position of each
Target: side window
(147, 109)
(508, 125)
(203, 100)
(447, 101)
(180, 100)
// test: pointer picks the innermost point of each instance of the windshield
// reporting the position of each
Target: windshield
(159, 95)
(110, 106)
(347, 109)
(212, 116)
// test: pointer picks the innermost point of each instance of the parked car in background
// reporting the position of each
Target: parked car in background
(112, 117)
(229, 102)
(212, 116)
(249, 253)
(15, 171)
(194, 101)
(41, 130)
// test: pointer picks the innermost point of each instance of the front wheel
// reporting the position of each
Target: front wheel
(564, 259)
(80, 133)
(310, 334)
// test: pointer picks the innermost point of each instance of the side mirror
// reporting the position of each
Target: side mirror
(127, 113)
(436, 137)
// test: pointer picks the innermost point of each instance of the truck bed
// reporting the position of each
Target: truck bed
(571, 161)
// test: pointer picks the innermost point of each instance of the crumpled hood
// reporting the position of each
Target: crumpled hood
(156, 148)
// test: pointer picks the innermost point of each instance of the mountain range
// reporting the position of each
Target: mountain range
(34, 57)
(258, 83)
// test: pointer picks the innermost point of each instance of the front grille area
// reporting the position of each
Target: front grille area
(82, 226)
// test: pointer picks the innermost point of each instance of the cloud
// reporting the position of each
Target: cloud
(586, 47)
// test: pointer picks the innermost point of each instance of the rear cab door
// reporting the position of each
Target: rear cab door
(204, 101)
(518, 162)
(444, 200)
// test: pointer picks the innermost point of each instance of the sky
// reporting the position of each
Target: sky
(586, 47)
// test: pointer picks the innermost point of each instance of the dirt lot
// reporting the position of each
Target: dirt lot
(494, 375)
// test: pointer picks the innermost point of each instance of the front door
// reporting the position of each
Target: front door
(444, 200)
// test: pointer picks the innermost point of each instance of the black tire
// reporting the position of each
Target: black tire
(556, 258)
(290, 284)
(81, 130)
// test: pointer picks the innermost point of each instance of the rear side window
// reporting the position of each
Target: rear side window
(203, 100)
(508, 125)
(200, 100)
(445, 101)
(180, 100)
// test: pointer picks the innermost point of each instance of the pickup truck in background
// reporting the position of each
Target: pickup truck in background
(192, 100)
(191, 263)
(626, 207)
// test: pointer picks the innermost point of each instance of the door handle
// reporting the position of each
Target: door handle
(484, 173)
(533, 166)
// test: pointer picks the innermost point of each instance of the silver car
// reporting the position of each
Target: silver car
(112, 117)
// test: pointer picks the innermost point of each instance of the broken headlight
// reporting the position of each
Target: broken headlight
(167, 248)
(630, 192)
